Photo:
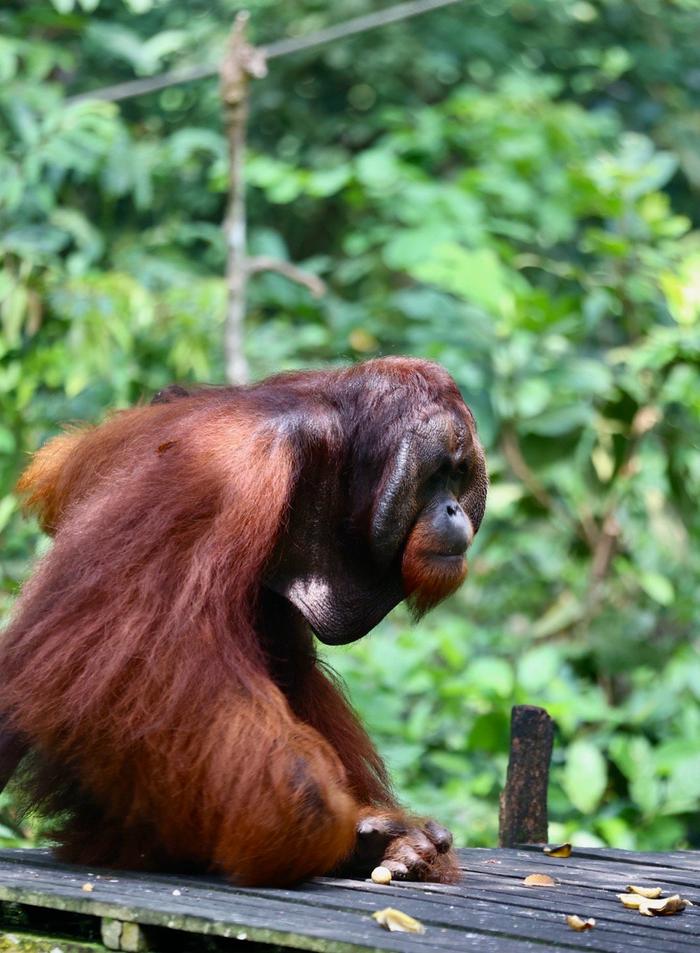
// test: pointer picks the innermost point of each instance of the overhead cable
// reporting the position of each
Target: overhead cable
(370, 21)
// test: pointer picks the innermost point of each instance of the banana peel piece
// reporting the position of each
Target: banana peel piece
(559, 850)
(663, 908)
(652, 906)
(630, 900)
(651, 893)
(579, 924)
(397, 921)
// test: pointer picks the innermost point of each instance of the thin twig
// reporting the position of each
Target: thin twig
(520, 467)
(516, 461)
(316, 285)
(241, 62)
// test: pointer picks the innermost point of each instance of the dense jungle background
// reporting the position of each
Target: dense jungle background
(509, 187)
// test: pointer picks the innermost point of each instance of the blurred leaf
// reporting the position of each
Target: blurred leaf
(585, 775)
(658, 587)
(474, 275)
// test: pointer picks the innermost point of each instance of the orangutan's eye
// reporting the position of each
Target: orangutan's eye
(442, 474)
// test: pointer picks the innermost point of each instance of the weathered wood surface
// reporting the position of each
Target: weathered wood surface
(491, 911)
(522, 816)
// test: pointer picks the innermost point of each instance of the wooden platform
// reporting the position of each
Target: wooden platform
(45, 908)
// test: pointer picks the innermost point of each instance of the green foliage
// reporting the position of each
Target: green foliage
(509, 188)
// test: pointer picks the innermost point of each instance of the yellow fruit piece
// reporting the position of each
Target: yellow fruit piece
(663, 908)
(561, 850)
(651, 893)
(397, 921)
(630, 900)
(578, 924)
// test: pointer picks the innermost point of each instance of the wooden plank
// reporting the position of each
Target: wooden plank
(599, 869)
(228, 912)
(681, 859)
(677, 859)
(494, 915)
(520, 903)
(674, 860)
(515, 897)
(516, 862)
(32, 943)
(37, 930)
(491, 911)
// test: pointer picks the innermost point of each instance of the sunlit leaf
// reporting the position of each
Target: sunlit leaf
(585, 775)
(658, 587)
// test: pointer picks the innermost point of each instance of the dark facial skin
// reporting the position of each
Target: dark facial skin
(339, 561)
(439, 472)
(449, 525)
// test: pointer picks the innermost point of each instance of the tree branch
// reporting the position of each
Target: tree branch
(521, 469)
(259, 263)
(241, 62)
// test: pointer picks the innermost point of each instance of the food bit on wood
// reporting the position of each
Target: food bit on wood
(663, 908)
(88, 888)
(177, 893)
(579, 924)
(539, 880)
(381, 875)
(650, 907)
(651, 893)
(560, 850)
(630, 900)
(396, 921)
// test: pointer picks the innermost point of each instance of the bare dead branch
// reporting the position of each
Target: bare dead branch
(241, 63)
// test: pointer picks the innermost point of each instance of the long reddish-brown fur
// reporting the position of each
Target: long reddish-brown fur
(134, 672)
(166, 731)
